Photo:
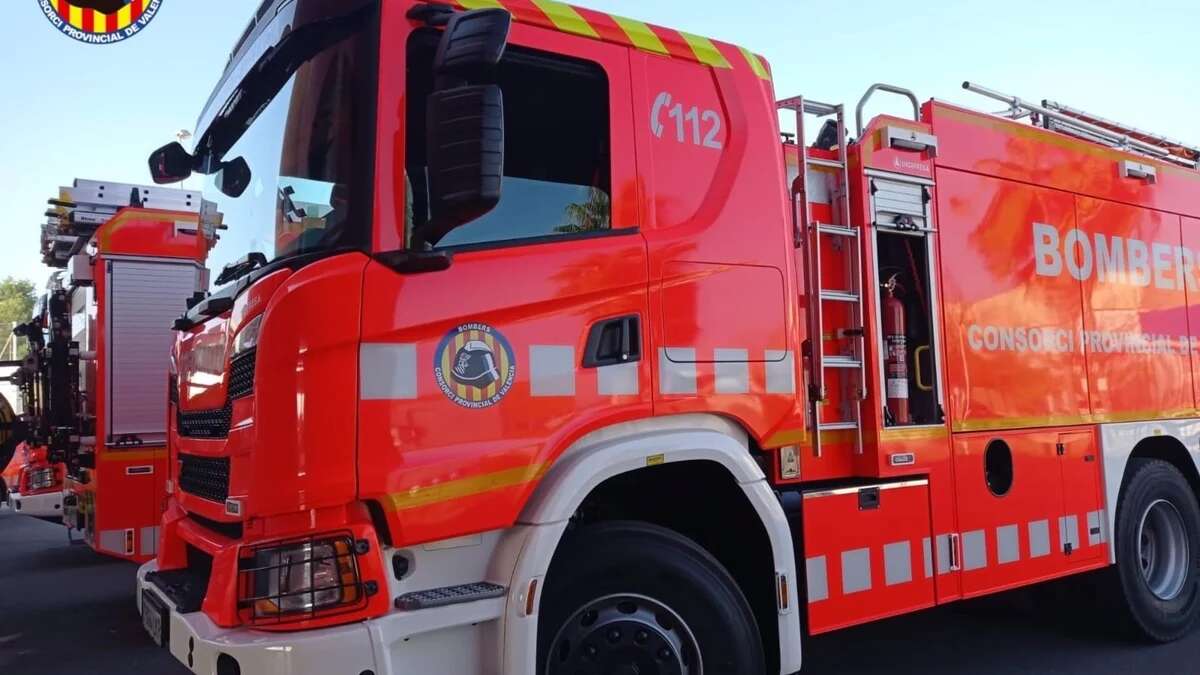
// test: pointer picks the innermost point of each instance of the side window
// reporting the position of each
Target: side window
(557, 174)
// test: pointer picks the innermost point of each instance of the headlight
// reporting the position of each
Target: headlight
(247, 337)
(300, 579)
(40, 479)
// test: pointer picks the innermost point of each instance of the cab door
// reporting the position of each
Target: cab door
(474, 378)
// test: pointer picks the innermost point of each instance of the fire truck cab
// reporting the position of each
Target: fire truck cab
(536, 350)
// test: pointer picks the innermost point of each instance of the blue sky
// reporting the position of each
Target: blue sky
(72, 110)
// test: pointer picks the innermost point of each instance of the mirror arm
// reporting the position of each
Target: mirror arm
(416, 262)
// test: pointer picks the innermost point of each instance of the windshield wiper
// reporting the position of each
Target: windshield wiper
(241, 267)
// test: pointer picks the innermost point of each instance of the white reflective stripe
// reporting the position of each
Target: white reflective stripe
(149, 536)
(551, 370)
(1068, 532)
(944, 556)
(974, 545)
(781, 372)
(818, 581)
(1008, 547)
(618, 380)
(1039, 538)
(112, 541)
(732, 370)
(677, 377)
(388, 371)
(856, 571)
(927, 550)
(1096, 525)
(897, 563)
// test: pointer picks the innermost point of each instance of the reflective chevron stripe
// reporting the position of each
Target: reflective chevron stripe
(645, 37)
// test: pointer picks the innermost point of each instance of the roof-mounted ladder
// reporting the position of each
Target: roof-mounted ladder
(79, 210)
(809, 233)
(1082, 124)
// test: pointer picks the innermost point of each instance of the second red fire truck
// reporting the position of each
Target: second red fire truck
(537, 352)
(94, 384)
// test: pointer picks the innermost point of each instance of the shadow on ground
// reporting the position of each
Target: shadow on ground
(66, 610)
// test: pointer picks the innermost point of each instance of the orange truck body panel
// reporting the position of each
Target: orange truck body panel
(702, 250)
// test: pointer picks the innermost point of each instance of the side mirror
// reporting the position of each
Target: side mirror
(233, 177)
(465, 145)
(473, 43)
(171, 164)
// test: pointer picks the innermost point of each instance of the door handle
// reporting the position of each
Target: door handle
(614, 341)
(955, 557)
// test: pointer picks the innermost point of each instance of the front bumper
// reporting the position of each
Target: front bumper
(196, 642)
(48, 505)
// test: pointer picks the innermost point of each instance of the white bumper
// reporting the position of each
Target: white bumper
(196, 642)
(48, 505)
(448, 640)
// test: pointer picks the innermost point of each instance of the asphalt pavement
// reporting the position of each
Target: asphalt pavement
(67, 610)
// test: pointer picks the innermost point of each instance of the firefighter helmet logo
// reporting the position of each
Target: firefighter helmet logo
(474, 366)
(100, 22)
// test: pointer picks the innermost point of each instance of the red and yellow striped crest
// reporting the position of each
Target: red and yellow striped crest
(100, 21)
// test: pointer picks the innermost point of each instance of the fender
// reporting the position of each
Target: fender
(1117, 442)
(621, 449)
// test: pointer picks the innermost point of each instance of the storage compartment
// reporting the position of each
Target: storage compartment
(906, 295)
(867, 552)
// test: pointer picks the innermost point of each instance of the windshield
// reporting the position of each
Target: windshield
(309, 150)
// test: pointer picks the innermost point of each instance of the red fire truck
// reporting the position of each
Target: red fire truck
(36, 486)
(537, 351)
(94, 384)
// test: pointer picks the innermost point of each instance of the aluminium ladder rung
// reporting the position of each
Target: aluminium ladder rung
(828, 163)
(840, 361)
(810, 107)
(837, 230)
(838, 296)
(849, 425)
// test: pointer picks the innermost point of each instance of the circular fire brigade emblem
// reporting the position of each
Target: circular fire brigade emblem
(100, 22)
(474, 366)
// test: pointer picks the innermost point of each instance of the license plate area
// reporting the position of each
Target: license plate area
(154, 618)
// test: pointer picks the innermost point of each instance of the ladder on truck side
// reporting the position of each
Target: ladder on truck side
(850, 365)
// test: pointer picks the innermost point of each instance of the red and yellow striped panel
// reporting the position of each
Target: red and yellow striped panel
(95, 21)
(629, 32)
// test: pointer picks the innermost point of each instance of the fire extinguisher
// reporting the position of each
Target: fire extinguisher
(896, 362)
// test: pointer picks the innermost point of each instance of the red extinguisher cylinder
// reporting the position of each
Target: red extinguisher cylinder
(896, 361)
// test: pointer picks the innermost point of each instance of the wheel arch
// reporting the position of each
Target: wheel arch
(667, 457)
(1176, 442)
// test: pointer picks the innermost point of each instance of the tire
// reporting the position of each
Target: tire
(630, 597)
(1158, 550)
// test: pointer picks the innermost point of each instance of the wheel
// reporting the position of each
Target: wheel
(1158, 550)
(630, 598)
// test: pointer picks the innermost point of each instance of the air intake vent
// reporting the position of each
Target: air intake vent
(204, 477)
(205, 423)
(241, 375)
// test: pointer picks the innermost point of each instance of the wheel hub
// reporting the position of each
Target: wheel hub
(624, 635)
(1163, 553)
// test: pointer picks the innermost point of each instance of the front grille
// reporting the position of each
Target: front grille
(241, 375)
(205, 423)
(204, 477)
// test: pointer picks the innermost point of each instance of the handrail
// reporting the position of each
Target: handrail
(891, 89)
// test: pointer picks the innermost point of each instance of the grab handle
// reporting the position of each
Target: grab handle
(891, 89)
